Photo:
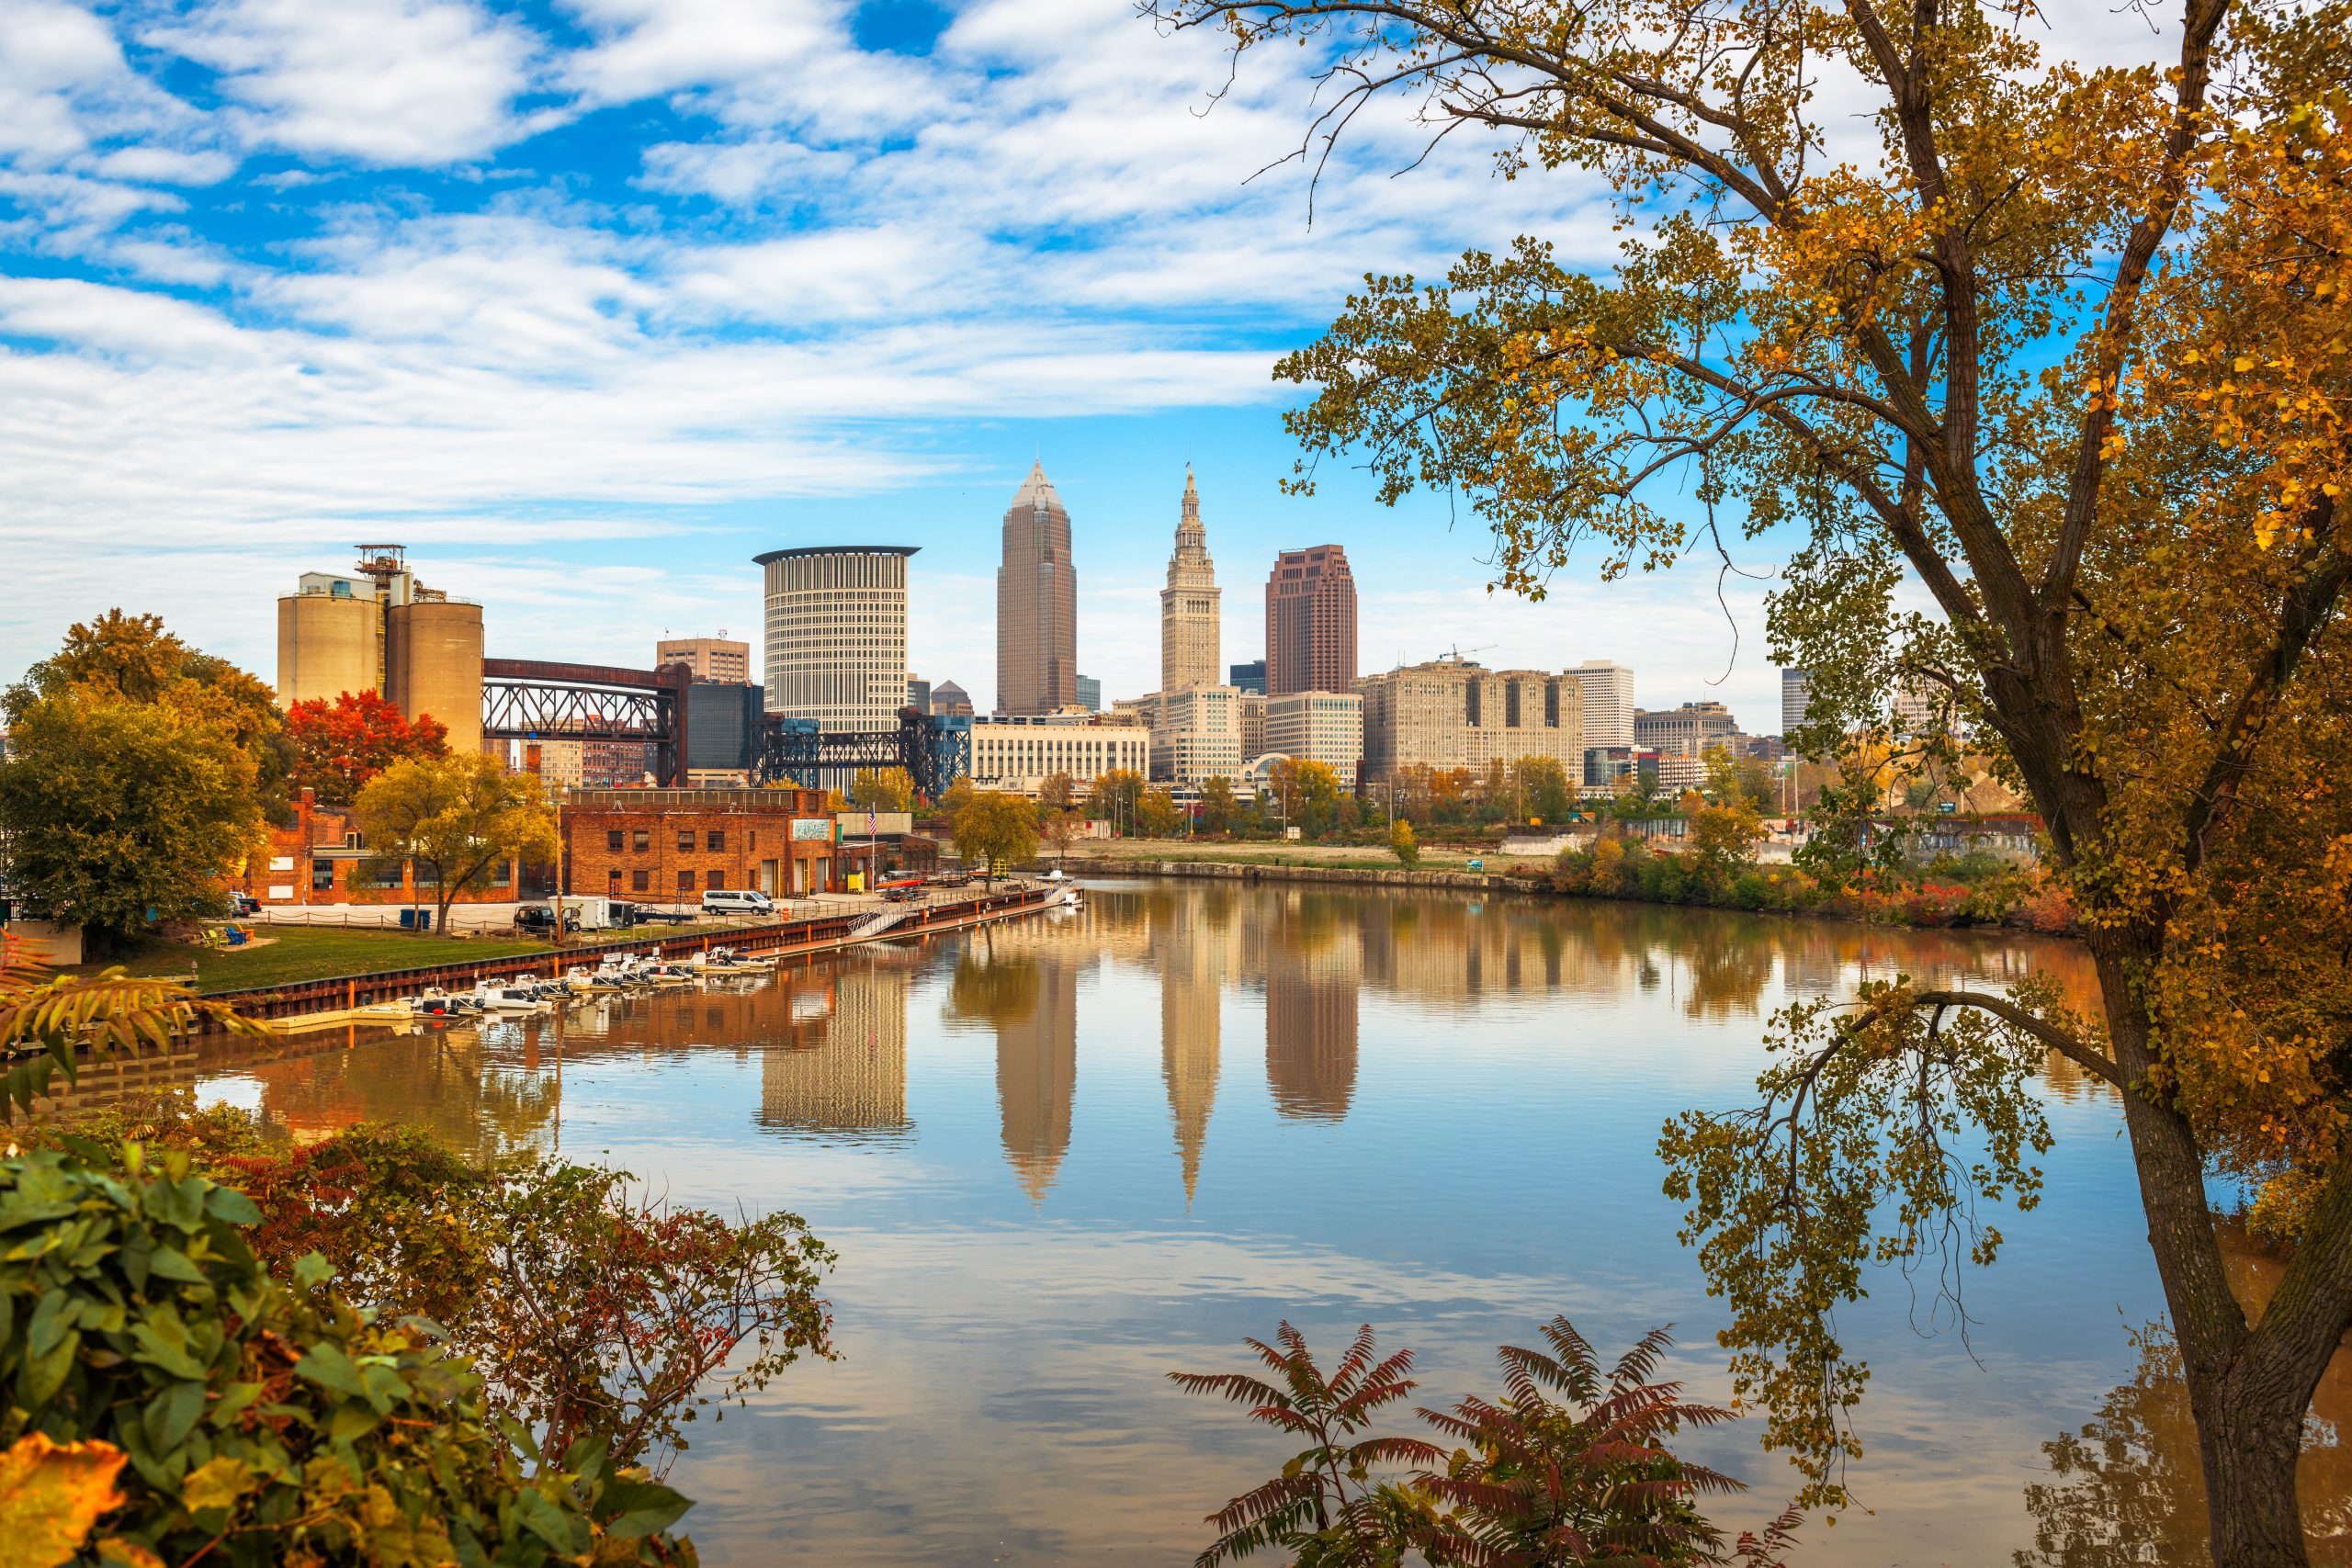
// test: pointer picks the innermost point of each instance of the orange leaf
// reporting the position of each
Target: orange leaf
(50, 1494)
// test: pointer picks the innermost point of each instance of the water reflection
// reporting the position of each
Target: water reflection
(1020, 1262)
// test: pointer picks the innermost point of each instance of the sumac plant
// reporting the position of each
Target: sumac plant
(592, 1311)
(1568, 1466)
(169, 1400)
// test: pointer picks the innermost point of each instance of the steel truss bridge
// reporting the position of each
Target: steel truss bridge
(934, 750)
(531, 699)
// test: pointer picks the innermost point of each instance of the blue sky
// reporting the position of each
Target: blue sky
(588, 303)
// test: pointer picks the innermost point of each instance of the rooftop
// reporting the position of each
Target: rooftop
(836, 550)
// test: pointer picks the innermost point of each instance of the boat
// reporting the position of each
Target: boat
(509, 998)
(438, 1003)
(722, 961)
(605, 979)
(669, 974)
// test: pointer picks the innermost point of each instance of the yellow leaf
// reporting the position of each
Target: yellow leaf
(116, 1552)
(50, 1494)
(216, 1483)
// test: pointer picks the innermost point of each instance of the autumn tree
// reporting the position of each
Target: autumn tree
(2068, 349)
(1306, 790)
(339, 746)
(1402, 844)
(454, 819)
(1057, 792)
(1159, 816)
(140, 778)
(1219, 809)
(1541, 788)
(1114, 796)
(995, 830)
(881, 789)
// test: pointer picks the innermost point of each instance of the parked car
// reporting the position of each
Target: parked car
(243, 906)
(648, 914)
(539, 918)
(736, 901)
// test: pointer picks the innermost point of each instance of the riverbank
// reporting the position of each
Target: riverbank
(1613, 873)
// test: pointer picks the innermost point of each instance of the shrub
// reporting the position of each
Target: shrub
(145, 1346)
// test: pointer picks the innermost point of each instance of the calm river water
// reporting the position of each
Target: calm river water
(1061, 1158)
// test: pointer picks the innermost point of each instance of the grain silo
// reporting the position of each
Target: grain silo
(433, 656)
(327, 634)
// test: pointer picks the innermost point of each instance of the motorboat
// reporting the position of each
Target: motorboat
(437, 1003)
(669, 974)
(722, 961)
(510, 998)
(603, 980)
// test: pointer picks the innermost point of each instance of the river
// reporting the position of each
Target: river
(1062, 1157)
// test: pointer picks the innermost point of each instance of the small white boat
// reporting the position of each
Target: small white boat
(510, 998)
(671, 974)
(438, 1003)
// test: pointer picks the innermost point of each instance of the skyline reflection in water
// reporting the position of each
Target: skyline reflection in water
(1062, 1157)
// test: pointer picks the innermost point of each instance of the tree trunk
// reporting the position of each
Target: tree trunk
(2248, 1407)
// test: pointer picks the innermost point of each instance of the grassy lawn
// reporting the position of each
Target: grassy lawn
(313, 953)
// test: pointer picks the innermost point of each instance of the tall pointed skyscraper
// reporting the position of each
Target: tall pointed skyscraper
(1189, 618)
(1036, 604)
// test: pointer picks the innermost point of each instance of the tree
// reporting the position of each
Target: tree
(881, 789)
(454, 819)
(1308, 790)
(1115, 795)
(1539, 788)
(1060, 829)
(339, 746)
(131, 658)
(1401, 842)
(1057, 792)
(49, 1022)
(996, 831)
(117, 814)
(1219, 810)
(1159, 816)
(2070, 352)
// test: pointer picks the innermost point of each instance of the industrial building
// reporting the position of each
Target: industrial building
(1449, 713)
(836, 635)
(671, 846)
(385, 631)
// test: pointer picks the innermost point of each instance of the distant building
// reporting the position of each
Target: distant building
(671, 846)
(949, 700)
(1319, 726)
(1310, 622)
(1189, 617)
(1452, 714)
(1606, 766)
(722, 731)
(1197, 735)
(1143, 710)
(836, 631)
(1019, 754)
(1252, 707)
(710, 658)
(1036, 604)
(1089, 693)
(1249, 677)
(1676, 774)
(383, 631)
(1796, 689)
(1608, 703)
(561, 764)
(1690, 730)
(618, 765)
(1920, 709)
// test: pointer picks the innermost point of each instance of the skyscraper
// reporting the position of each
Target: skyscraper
(1310, 622)
(1036, 604)
(836, 630)
(1189, 618)
(1608, 701)
(710, 658)
(1796, 691)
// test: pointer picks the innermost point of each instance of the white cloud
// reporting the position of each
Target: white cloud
(403, 82)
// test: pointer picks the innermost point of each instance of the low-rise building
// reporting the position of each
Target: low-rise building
(1317, 726)
(1451, 712)
(1198, 735)
(1689, 731)
(1251, 708)
(322, 859)
(671, 846)
(1018, 753)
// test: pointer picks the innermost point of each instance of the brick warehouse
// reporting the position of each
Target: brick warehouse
(674, 845)
(320, 859)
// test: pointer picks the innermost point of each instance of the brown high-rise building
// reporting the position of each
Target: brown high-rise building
(1311, 622)
(710, 658)
(1036, 604)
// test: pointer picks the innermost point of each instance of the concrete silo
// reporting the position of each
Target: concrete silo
(432, 655)
(328, 639)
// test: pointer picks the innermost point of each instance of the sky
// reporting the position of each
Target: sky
(588, 303)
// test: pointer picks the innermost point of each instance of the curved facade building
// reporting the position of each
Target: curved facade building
(836, 634)
(1036, 604)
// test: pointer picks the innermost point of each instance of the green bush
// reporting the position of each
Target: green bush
(266, 1422)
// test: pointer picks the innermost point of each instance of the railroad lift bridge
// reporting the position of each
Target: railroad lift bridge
(530, 699)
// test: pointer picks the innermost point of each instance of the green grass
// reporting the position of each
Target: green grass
(313, 953)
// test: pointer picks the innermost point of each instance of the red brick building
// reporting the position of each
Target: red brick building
(671, 846)
(320, 859)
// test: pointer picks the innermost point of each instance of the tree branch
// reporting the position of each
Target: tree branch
(2008, 1012)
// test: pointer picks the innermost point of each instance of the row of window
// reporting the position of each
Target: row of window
(642, 880)
(640, 840)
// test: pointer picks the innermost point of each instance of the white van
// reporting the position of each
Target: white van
(736, 901)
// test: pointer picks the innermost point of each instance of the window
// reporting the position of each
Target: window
(640, 880)
(715, 839)
(501, 875)
(715, 879)
(323, 877)
(640, 840)
(686, 840)
(613, 838)
(386, 873)
(685, 881)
